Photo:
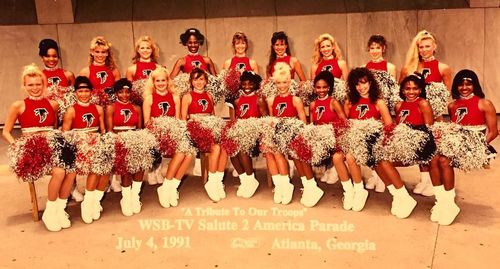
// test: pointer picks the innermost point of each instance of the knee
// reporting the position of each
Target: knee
(338, 157)
(443, 162)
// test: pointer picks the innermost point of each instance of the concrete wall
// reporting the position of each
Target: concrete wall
(467, 38)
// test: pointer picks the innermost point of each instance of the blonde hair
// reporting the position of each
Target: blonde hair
(155, 51)
(337, 53)
(412, 56)
(149, 88)
(102, 42)
(32, 70)
(282, 71)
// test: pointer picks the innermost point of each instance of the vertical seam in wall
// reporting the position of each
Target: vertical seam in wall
(132, 25)
(205, 22)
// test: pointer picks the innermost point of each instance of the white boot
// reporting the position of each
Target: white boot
(348, 199)
(287, 190)
(405, 203)
(425, 181)
(243, 184)
(394, 206)
(49, 217)
(76, 195)
(311, 193)
(173, 194)
(97, 204)
(159, 176)
(324, 177)
(371, 182)
(248, 186)
(197, 167)
(126, 201)
(379, 186)
(115, 184)
(450, 209)
(360, 196)
(277, 189)
(220, 184)
(62, 216)
(87, 207)
(150, 177)
(291, 164)
(136, 202)
(333, 176)
(211, 187)
(163, 194)
(438, 206)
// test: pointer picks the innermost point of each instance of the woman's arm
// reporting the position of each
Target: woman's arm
(110, 110)
(297, 103)
(344, 68)
(177, 67)
(131, 72)
(69, 116)
(186, 101)
(12, 115)
(146, 108)
(298, 69)
(490, 115)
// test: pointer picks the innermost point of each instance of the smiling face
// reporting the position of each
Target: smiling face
(51, 59)
(199, 83)
(282, 85)
(240, 47)
(465, 88)
(100, 54)
(363, 87)
(411, 91)
(145, 50)
(426, 48)
(193, 44)
(326, 48)
(160, 83)
(123, 95)
(33, 85)
(280, 47)
(321, 88)
(376, 51)
(83, 94)
(248, 87)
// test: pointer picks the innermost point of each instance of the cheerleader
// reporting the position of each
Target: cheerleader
(240, 60)
(160, 101)
(49, 52)
(327, 56)
(196, 104)
(193, 39)
(280, 52)
(377, 46)
(36, 114)
(145, 59)
(122, 116)
(284, 105)
(87, 118)
(102, 70)
(470, 109)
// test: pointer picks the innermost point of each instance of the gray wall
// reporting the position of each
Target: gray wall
(467, 38)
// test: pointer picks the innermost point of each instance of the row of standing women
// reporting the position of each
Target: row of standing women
(363, 102)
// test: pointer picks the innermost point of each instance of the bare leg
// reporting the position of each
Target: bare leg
(67, 185)
(55, 183)
(213, 158)
(339, 163)
(354, 168)
(237, 164)
(103, 182)
(246, 162)
(183, 167)
(222, 161)
(447, 173)
(272, 166)
(174, 165)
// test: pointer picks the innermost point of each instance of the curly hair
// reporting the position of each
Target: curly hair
(192, 32)
(337, 53)
(155, 51)
(362, 74)
(272, 56)
(101, 42)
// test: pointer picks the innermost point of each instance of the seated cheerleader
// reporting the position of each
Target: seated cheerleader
(122, 116)
(284, 105)
(280, 53)
(472, 110)
(377, 46)
(199, 103)
(36, 114)
(145, 59)
(327, 56)
(88, 118)
(160, 101)
(193, 39)
(248, 105)
(240, 61)
(49, 52)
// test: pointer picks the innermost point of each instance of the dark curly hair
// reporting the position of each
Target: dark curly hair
(192, 32)
(466, 74)
(355, 76)
(418, 79)
(272, 56)
(122, 83)
(252, 77)
(328, 78)
(378, 39)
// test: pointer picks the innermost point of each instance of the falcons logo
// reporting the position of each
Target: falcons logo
(146, 72)
(327, 68)
(88, 118)
(426, 72)
(102, 75)
(204, 104)
(196, 64)
(126, 113)
(460, 113)
(319, 111)
(362, 109)
(243, 109)
(164, 106)
(241, 67)
(54, 81)
(42, 113)
(281, 108)
(403, 114)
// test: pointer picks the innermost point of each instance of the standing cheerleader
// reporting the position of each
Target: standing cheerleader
(284, 105)
(145, 59)
(240, 60)
(102, 70)
(280, 53)
(160, 101)
(328, 57)
(49, 52)
(122, 116)
(36, 114)
(469, 109)
(197, 104)
(86, 117)
(377, 46)
(193, 39)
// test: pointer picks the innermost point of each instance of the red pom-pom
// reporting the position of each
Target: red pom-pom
(202, 137)
(388, 132)
(120, 164)
(35, 159)
(167, 145)
(232, 83)
(301, 148)
(227, 143)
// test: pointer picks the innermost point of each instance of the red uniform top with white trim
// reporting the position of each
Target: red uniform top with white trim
(143, 69)
(431, 71)
(363, 110)
(466, 112)
(38, 115)
(321, 111)
(380, 66)
(200, 103)
(101, 76)
(86, 117)
(56, 77)
(162, 105)
(284, 59)
(331, 65)
(283, 107)
(193, 61)
(240, 64)
(125, 116)
(247, 107)
(410, 113)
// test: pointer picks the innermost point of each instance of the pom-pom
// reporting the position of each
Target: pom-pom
(231, 79)
(359, 140)
(137, 91)
(313, 144)
(172, 136)
(284, 132)
(438, 95)
(181, 84)
(64, 96)
(85, 144)
(303, 90)
(30, 157)
(241, 136)
(340, 90)
(64, 151)
(103, 97)
(205, 131)
(266, 126)
(137, 146)
(103, 158)
(389, 88)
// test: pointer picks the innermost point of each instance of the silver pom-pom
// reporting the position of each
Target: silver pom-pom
(321, 141)
(389, 88)
(246, 133)
(176, 130)
(104, 154)
(438, 96)
(284, 131)
(359, 139)
(340, 90)
(139, 145)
